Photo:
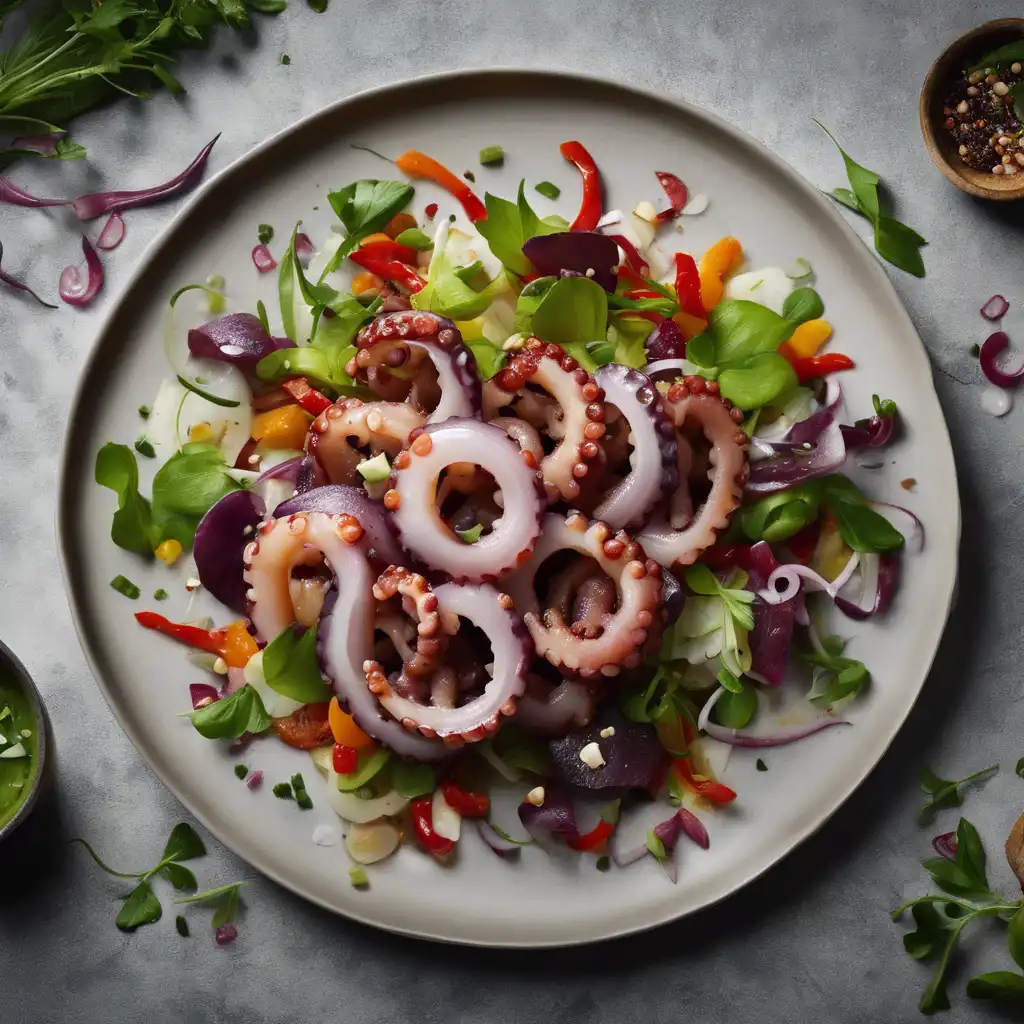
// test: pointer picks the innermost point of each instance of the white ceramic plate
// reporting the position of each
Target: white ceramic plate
(777, 216)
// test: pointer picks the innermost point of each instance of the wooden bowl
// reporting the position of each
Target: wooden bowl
(940, 145)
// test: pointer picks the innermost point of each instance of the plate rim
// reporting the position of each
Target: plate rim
(509, 75)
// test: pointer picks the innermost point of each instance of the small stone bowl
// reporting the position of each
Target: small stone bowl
(940, 145)
(42, 776)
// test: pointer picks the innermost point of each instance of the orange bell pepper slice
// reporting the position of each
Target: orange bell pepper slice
(284, 427)
(344, 728)
(239, 645)
(419, 165)
(721, 259)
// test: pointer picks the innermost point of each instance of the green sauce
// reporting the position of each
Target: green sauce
(16, 773)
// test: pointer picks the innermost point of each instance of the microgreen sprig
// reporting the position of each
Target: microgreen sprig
(142, 905)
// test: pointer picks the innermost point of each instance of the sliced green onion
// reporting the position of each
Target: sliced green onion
(217, 303)
(799, 270)
(123, 585)
(182, 925)
(226, 403)
(282, 791)
(470, 536)
(265, 233)
(144, 411)
(261, 312)
(492, 156)
(375, 470)
(655, 846)
(144, 447)
(548, 189)
(357, 876)
(160, 595)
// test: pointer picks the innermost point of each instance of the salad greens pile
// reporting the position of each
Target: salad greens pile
(80, 53)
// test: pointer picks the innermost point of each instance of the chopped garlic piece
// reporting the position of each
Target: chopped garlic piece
(220, 666)
(608, 732)
(192, 584)
(591, 756)
(646, 211)
(536, 796)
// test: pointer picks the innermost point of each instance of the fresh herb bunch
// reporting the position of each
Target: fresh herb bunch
(895, 242)
(82, 52)
(941, 917)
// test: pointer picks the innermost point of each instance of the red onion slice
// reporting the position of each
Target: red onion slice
(96, 204)
(202, 694)
(255, 779)
(791, 574)
(652, 462)
(693, 827)
(13, 282)
(262, 259)
(584, 252)
(220, 540)
(778, 738)
(44, 145)
(666, 341)
(993, 347)
(15, 196)
(945, 845)
(995, 309)
(826, 452)
(112, 234)
(502, 847)
(76, 290)
(303, 248)
(677, 195)
(237, 338)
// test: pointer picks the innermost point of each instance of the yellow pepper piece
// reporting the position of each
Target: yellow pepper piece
(809, 337)
(365, 283)
(831, 554)
(284, 427)
(344, 728)
(168, 551)
(200, 432)
(721, 259)
(239, 645)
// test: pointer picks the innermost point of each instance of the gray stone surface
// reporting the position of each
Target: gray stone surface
(810, 941)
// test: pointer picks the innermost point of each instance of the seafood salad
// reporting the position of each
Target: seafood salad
(505, 500)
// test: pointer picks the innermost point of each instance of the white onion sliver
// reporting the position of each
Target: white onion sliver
(696, 204)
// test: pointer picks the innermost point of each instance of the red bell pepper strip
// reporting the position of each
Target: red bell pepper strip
(716, 792)
(309, 398)
(469, 805)
(810, 367)
(634, 260)
(419, 165)
(590, 208)
(802, 545)
(423, 823)
(346, 759)
(594, 838)
(212, 640)
(676, 192)
(688, 286)
(390, 249)
(643, 293)
(380, 263)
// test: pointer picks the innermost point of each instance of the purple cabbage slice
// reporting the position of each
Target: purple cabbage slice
(579, 251)
(221, 538)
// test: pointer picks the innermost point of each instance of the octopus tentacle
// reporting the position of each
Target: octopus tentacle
(523, 433)
(417, 519)
(696, 402)
(379, 426)
(345, 631)
(494, 614)
(624, 633)
(420, 604)
(582, 421)
(388, 339)
(554, 710)
(652, 462)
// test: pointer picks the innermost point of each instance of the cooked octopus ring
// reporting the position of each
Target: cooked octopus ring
(696, 401)
(494, 614)
(624, 632)
(417, 520)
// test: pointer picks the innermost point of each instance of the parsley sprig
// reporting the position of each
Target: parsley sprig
(940, 918)
(142, 905)
(943, 793)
